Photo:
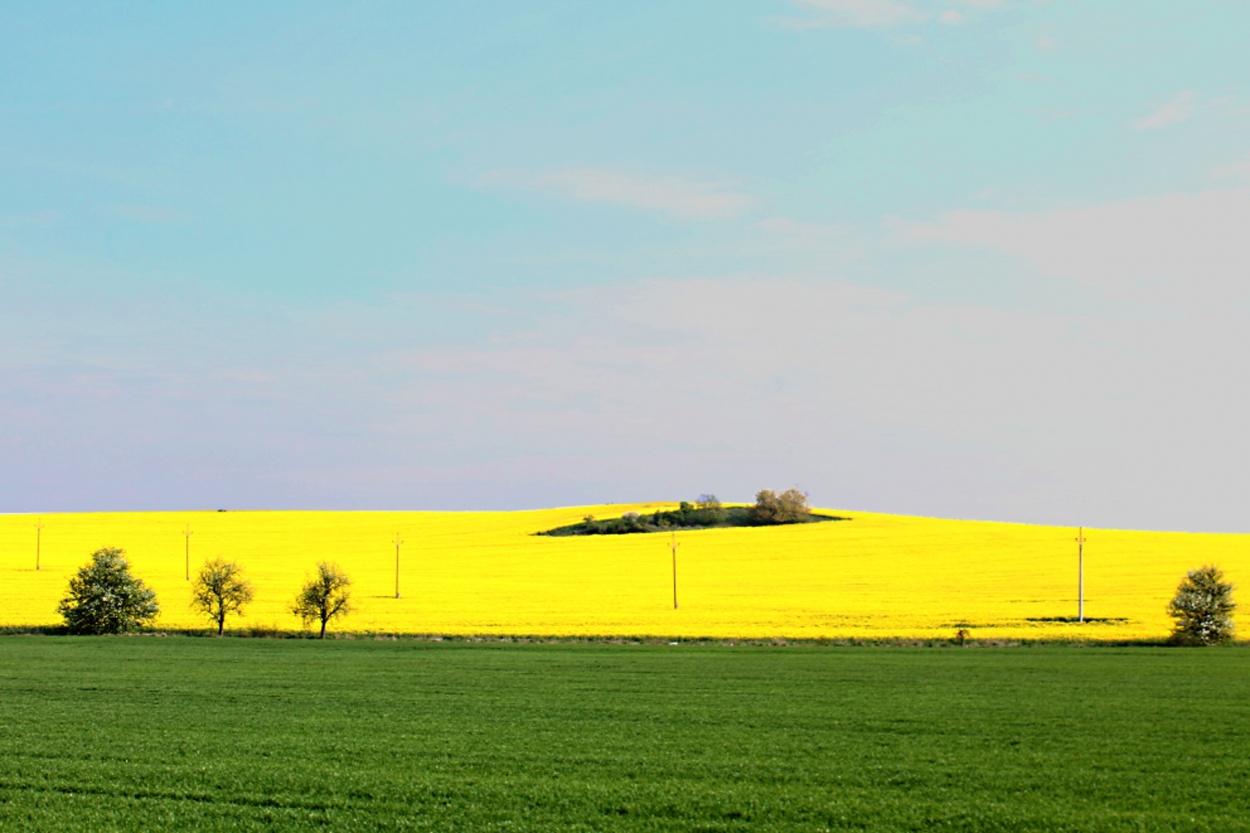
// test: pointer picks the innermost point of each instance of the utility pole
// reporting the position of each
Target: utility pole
(674, 548)
(1080, 567)
(38, 540)
(187, 549)
(398, 541)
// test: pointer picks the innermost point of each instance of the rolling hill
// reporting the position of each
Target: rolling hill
(460, 573)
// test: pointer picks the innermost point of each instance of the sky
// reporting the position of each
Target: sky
(979, 259)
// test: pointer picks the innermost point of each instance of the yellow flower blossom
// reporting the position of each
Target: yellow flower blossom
(873, 576)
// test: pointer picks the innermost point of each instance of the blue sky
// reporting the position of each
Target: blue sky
(965, 258)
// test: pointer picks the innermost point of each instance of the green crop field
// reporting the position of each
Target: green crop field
(145, 733)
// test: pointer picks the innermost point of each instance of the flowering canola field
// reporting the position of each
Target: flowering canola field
(463, 573)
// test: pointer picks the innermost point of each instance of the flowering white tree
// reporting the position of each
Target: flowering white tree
(1203, 608)
(105, 598)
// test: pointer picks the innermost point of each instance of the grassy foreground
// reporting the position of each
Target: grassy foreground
(871, 576)
(206, 734)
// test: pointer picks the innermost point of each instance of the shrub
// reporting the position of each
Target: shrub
(1203, 608)
(105, 598)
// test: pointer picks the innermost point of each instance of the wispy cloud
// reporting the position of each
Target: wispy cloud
(871, 14)
(882, 14)
(30, 220)
(1179, 108)
(1237, 170)
(922, 406)
(148, 214)
(677, 198)
(1173, 247)
(795, 228)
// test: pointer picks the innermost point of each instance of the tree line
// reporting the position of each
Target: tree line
(104, 597)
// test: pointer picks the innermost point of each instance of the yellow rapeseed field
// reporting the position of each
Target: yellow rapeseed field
(873, 575)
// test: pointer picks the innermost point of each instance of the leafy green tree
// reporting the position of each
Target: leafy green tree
(220, 590)
(105, 598)
(786, 508)
(1203, 608)
(324, 596)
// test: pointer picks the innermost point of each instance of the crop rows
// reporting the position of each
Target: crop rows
(117, 733)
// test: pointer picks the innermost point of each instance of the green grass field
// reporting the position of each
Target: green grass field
(148, 733)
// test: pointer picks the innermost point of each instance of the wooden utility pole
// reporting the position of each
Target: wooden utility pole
(1080, 568)
(187, 549)
(398, 541)
(38, 540)
(674, 548)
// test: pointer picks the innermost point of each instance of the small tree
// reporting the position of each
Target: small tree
(1203, 608)
(711, 511)
(324, 596)
(786, 508)
(105, 598)
(220, 590)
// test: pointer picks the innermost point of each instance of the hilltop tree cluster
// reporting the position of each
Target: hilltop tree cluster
(789, 507)
(707, 511)
(770, 509)
(104, 598)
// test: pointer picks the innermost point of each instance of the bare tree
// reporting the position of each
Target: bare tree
(324, 596)
(1203, 608)
(711, 510)
(220, 590)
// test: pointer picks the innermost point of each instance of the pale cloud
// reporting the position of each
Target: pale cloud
(1179, 108)
(796, 228)
(673, 197)
(871, 14)
(882, 14)
(835, 246)
(1045, 43)
(1238, 170)
(656, 389)
(869, 398)
(1049, 115)
(1164, 247)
